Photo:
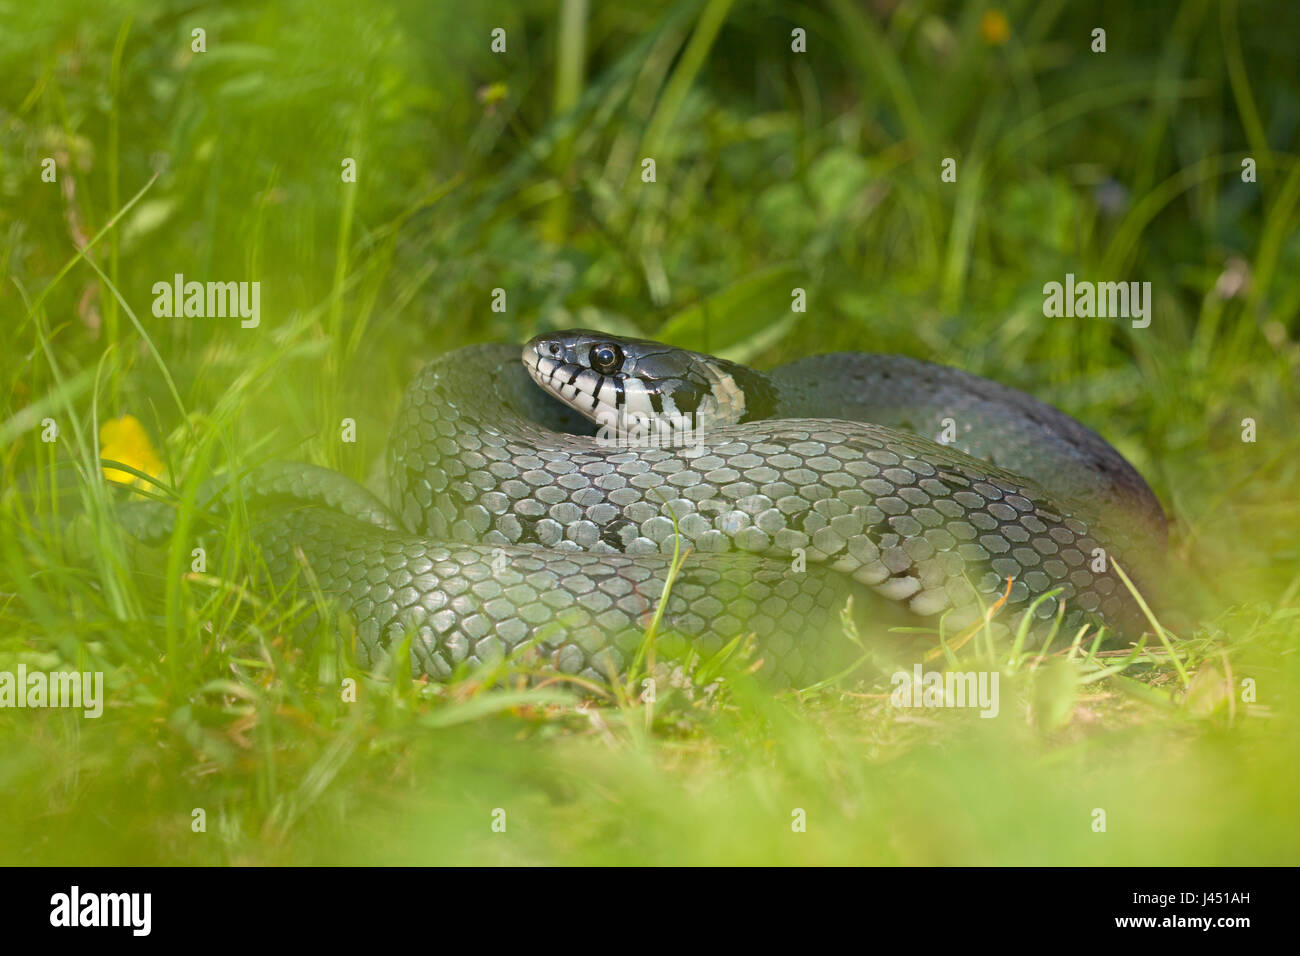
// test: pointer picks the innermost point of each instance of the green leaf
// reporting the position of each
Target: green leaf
(1143, 692)
(740, 321)
(149, 215)
(485, 705)
(1054, 693)
(836, 178)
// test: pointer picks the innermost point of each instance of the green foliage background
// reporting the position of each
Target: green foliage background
(522, 171)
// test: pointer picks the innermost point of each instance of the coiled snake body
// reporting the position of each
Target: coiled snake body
(515, 522)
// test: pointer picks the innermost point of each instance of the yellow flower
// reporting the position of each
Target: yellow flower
(124, 439)
(994, 28)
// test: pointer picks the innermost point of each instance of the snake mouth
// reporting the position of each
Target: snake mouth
(593, 395)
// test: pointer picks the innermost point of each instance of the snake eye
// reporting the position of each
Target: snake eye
(606, 359)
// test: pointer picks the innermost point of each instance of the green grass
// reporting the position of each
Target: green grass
(774, 170)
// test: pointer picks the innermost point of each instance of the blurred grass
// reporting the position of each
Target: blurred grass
(522, 171)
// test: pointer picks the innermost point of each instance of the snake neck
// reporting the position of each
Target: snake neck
(721, 393)
(458, 427)
(762, 398)
(459, 430)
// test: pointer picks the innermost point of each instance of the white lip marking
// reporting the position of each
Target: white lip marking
(637, 398)
(587, 381)
(539, 366)
(591, 393)
(605, 394)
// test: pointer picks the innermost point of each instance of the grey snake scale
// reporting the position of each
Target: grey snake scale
(517, 524)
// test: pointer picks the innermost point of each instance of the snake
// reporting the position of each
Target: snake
(559, 504)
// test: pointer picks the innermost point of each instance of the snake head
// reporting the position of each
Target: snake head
(635, 386)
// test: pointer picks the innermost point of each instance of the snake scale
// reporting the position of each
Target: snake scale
(536, 505)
